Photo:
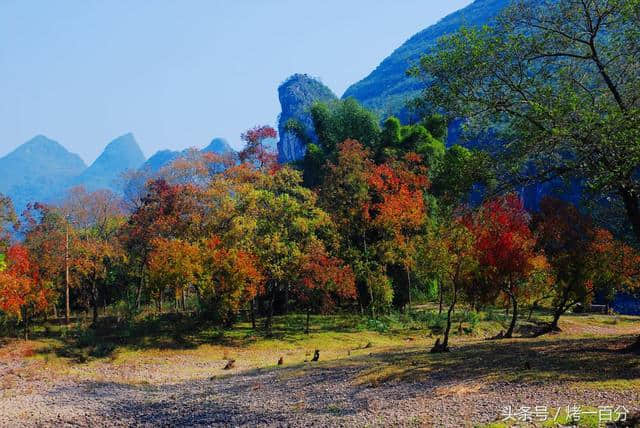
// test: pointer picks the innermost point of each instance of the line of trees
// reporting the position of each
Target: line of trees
(375, 210)
(249, 238)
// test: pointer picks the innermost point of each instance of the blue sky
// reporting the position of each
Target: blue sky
(178, 73)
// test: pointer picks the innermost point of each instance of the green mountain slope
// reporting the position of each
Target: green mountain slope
(387, 89)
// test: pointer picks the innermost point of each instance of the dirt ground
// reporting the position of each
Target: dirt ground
(479, 382)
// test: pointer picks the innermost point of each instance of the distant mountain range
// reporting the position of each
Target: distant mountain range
(164, 157)
(120, 155)
(387, 89)
(42, 170)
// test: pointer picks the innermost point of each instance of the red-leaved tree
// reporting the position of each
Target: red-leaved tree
(22, 295)
(255, 150)
(506, 248)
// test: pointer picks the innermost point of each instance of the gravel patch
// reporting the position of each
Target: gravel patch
(317, 396)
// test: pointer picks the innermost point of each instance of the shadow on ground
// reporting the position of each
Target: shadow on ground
(314, 393)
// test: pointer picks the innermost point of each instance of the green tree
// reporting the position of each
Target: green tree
(397, 139)
(344, 120)
(447, 254)
(334, 123)
(458, 172)
(276, 219)
(557, 83)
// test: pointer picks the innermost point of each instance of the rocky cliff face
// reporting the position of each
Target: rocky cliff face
(297, 94)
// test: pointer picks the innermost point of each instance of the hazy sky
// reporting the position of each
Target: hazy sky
(176, 73)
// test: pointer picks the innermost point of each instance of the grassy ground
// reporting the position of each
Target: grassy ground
(337, 337)
(171, 349)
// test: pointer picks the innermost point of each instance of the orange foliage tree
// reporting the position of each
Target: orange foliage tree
(585, 259)
(22, 294)
(255, 150)
(173, 264)
(323, 280)
(396, 209)
(379, 210)
(231, 278)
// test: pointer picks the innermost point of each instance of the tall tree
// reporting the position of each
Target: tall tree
(22, 294)
(276, 219)
(96, 218)
(397, 213)
(506, 249)
(231, 278)
(166, 211)
(47, 235)
(174, 265)
(448, 254)
(346, 195)
(323, 280)
(566, 236)
(557, 82)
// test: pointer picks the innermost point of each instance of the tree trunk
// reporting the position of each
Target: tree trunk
(514, 317)
(445, 341)
(409, 286)
(554, 323)
(25, 323)
(632, 206)
(559, 310)
(444, 346)
(140, 286)
(440, 291)
(371, 302)
(67, 314)
(272, 298)
(286, 299)
(94, 302)
(253, 313)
